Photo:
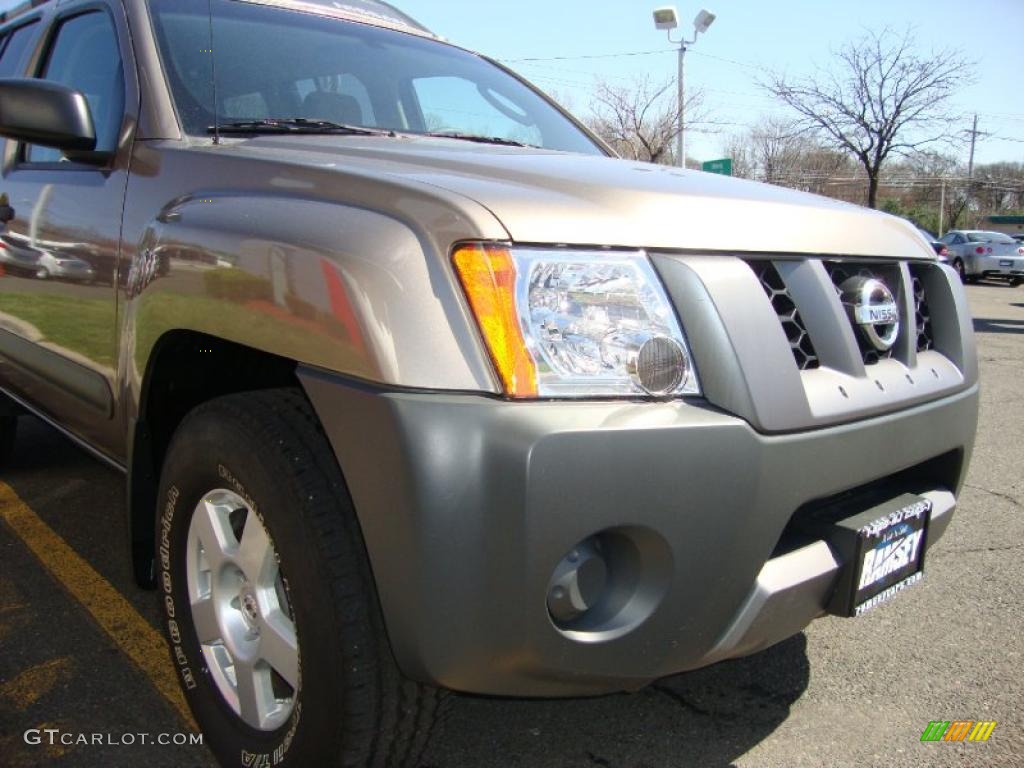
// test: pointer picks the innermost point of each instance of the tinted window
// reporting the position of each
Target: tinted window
(19, 40)
(990, 237)
(275, 62)
(85, 56)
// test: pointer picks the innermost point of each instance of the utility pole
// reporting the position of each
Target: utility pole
(974, 137)
(942, 206)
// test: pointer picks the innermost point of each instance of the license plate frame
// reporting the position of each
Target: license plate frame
(883, 553)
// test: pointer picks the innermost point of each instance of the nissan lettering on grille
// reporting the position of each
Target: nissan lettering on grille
(872, 309)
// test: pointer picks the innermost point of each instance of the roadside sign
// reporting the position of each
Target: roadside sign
(723, 166)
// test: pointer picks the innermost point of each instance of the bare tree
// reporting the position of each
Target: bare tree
(880, 99)
(640, 121)
(777, 151)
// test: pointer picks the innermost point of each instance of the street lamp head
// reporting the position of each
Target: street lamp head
(666, 18)
(703, 20)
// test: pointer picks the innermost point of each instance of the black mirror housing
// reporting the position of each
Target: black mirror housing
(46, 113)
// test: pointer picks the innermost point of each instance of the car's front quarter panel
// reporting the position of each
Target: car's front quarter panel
(279, 261)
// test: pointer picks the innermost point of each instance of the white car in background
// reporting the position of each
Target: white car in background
(979, 253)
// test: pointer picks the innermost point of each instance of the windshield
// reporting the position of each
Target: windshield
(990, 237)
(274, 63)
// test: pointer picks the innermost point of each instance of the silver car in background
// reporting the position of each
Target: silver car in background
(979, 253)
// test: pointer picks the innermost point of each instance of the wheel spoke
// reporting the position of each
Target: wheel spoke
(204, 617)
(214, 532)
(279, 648)
(254, 693)
(256, 554)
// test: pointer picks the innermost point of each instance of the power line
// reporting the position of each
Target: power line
(626, 54)
(590, 56)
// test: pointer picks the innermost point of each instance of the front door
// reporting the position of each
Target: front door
(58, 305)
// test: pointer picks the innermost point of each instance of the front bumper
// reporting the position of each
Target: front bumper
(468, 503)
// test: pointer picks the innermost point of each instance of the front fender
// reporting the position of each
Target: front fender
(343, 288)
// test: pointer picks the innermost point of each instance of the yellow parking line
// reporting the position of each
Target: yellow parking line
(115, 615)
(25, 689)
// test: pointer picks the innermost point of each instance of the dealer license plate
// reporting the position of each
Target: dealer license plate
(889, 555)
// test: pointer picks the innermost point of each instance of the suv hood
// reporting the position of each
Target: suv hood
(549, 197)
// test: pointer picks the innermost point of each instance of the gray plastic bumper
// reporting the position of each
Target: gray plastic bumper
(469, 503)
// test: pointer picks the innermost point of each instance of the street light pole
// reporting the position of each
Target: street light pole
(666, 18)
(681, 122)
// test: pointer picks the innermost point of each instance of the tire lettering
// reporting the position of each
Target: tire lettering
(173, 630)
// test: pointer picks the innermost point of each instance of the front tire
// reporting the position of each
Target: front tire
(270, 607)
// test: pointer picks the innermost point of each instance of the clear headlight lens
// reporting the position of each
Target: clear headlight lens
(576, 324)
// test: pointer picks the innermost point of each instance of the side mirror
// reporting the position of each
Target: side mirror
(46, 113)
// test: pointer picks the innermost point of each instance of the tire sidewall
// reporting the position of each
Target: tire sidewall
(207, 461)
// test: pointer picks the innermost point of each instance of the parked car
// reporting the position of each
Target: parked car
(979, 253)
(17, 256)
(941, 251)
(458, 400)
(60, 267)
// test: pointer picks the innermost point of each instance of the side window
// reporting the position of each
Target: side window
(17, 43)
(84, 56)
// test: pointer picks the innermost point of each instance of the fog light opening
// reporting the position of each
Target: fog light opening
(579, 582)
(609, 583)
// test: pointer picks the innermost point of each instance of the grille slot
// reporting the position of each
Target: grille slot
(789, 316)
(925, 338)
(841, 271)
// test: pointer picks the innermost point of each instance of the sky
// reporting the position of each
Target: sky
(748, 38)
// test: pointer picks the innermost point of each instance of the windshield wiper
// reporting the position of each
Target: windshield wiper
(295, 125)
(479, 139)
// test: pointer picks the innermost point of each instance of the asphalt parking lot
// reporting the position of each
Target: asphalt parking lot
(844, 693)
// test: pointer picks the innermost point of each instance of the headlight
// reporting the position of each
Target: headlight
(576, 324)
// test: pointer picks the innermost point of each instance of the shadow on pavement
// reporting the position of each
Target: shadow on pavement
(994, 325)
(709, 717)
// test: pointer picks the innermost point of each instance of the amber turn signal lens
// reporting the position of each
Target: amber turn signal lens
(488, 276)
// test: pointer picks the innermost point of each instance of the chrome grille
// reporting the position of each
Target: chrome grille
(789, 316)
